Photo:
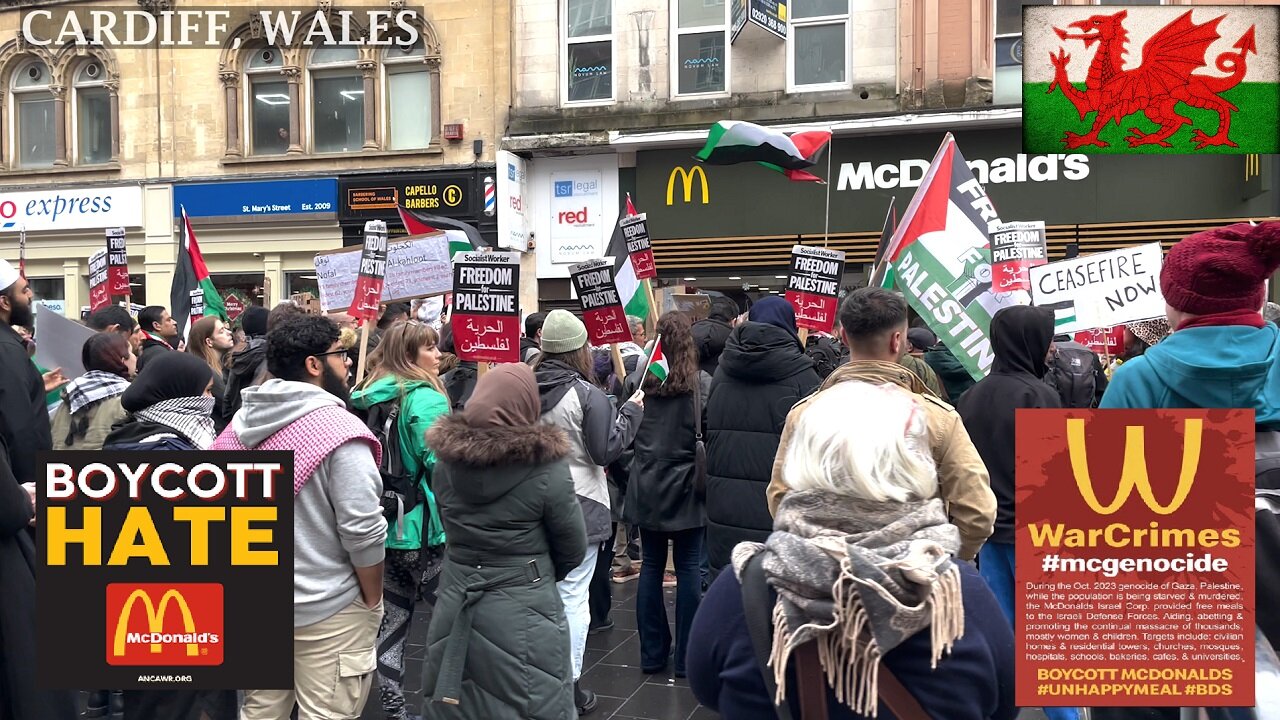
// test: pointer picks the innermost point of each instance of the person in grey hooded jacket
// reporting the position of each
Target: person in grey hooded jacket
(598, 436)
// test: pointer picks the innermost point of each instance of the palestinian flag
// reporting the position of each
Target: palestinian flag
(634, 299)
(1223, 62)
(730, 142)
(941, 258)
(462, 237)
(811, 145)
(658, 365)
(189, 276)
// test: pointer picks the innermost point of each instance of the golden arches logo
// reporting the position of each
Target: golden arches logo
(1133, 474)
(155, 619)
(686, 177)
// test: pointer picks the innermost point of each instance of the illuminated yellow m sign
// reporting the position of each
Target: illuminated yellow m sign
(155, 619)
(1134, 473)
(687, 179)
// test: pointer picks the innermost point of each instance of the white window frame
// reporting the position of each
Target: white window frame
(677, 31)
(73, 141)
(389, 66)
(847, 20)
(566, 41)
(323, 71)
(996, 36)
(15, 124)
(248, 75)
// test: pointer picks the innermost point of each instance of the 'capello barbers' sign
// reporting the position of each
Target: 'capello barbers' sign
(72, 208)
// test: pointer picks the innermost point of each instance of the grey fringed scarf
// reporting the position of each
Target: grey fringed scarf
(859, 578)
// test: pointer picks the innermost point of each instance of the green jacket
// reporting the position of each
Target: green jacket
(420, 407)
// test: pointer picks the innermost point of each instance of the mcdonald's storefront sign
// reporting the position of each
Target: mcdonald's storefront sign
(686, 178)
(164, 624)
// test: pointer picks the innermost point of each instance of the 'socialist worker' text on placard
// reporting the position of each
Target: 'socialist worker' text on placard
(1135, 558)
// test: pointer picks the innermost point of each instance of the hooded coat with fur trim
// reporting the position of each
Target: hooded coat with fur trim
(514, 529)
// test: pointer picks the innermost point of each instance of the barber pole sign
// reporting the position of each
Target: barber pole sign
(814, 286)
(490, 197)
(117, 262)
(367, 300)
(99, 287)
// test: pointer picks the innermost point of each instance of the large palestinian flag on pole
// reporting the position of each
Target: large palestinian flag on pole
(192, 294)
(634, 299)
(1179, 80)
(941, 258)
(463, 237)
(730, 142)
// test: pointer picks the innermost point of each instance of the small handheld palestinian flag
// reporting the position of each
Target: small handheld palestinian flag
(658, 366)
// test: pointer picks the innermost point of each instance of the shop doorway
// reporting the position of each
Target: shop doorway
(247, 286)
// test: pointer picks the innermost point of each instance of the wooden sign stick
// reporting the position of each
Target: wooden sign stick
(364, 352)
(652, 321)
(618, 367)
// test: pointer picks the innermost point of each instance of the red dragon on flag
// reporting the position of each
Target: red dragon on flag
(1155, 88)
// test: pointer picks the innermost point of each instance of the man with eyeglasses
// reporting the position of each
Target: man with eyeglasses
(339, 530)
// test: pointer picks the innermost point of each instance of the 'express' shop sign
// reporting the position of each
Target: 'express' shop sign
(71, 209)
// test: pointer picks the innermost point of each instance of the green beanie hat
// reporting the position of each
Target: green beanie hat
(562, 332)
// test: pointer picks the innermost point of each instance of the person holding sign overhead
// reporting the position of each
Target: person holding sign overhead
(598, 436)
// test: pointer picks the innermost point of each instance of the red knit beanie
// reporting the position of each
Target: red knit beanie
(1221, 270)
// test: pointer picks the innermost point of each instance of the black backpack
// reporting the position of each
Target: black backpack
(400, 490)
(825, 354)
(1071, 374)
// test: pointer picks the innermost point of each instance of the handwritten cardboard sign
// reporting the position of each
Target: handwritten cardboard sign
(602, 310)
(635, 230)
(417, 266)
(813, 288)
(486, 311)
(1101, 290)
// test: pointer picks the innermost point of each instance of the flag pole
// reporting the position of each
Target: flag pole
(618, 368)
(826, 232)
(364, 352)
(652, 321)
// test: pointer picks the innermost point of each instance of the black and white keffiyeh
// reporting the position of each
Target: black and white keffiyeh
(190, 416)
(91, 387)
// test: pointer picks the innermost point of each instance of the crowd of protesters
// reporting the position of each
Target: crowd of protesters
(838, 511)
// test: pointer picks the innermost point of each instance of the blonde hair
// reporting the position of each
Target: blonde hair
(865, 441)
(397, 354)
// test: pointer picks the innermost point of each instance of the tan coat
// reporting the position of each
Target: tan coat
(962, 477)
(99, 418)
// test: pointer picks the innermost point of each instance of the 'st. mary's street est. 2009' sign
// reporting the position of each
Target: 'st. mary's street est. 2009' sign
(181, 566)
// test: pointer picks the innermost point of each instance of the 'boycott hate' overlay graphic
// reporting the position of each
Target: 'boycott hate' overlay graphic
(1135, 558)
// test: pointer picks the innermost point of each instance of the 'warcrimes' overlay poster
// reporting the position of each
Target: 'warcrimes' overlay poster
(1135, 558)
(179, 566)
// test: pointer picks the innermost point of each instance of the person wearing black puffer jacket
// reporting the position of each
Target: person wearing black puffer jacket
(711, 334)
(763, 373)
(248, 364)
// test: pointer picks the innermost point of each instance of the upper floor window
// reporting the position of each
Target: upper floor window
(34, 132)
(700, 61)
(92, 102)
(1007, 83)
(408, 93)
(588, 51)
(267, 101)
(818, 45)
(337, 100)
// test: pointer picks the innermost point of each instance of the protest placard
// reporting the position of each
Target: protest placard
(635, 230)
(180, 564)
(367, 298)
(813, 288)
(417, 266)
(117, 262)
(1101, 290)
(1016, 247)
(486, 312)
(602, 311)
(99, 286)
(1134, 582)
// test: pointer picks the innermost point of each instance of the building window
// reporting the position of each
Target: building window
(92, 115)
(589, 50)
(410, 116)
(701, 57)
(267, 98)
(1007, 85)
(818, 45)
(35, 126)
(337, 100)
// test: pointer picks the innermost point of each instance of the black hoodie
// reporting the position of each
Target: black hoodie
(763, 373)
(248, 369)
(1020, 338)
